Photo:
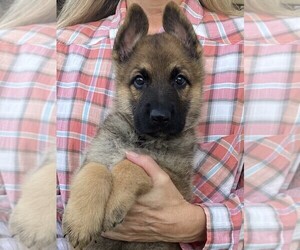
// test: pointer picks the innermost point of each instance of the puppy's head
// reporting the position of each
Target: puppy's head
(158, 77)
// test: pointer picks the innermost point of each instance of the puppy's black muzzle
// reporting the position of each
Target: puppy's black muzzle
(160, 114)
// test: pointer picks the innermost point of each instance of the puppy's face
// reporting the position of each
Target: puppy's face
(159, 77)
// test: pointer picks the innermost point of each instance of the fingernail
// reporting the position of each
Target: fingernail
(131, 154)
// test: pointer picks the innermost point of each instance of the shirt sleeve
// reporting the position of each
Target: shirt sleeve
(272, 215)
(273, 224)
(272, 194)
(218, 189)
(224, 222)
(271, 133)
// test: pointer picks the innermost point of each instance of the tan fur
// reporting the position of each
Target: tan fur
(134, 93)
(114, 187)
(86, 207)
(33, 220)
(126, 95)
(123, 195)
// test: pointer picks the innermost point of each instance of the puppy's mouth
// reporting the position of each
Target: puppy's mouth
(156, 135)
(162, 131)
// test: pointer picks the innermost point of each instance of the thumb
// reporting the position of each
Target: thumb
(148, 164)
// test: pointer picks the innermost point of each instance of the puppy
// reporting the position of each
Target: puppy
(159, 80)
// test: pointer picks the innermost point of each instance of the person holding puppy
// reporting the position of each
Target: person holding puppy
(215, 217)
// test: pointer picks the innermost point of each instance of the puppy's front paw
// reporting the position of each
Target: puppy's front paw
(129, 181)
(33, 220)
(84, 213)
(80, 225)
(35, 228)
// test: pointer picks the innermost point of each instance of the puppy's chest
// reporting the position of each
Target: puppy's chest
(175, 160)
(158, 147)
(171, 155)
(174, 156)
(116, 137)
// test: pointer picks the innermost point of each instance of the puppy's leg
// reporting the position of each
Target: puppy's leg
(129, 181)
(84, 213)
(33, 220)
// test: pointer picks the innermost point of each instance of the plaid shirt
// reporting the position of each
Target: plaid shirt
(85, 93)
(272, 132)
(27, 111)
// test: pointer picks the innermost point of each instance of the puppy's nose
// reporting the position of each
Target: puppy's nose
(160, 116)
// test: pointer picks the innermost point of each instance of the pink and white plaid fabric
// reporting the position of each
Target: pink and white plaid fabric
(272, 132)
(27, 111)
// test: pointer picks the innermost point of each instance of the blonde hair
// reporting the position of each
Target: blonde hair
(227, 7)
(83, 11)
(273, 7)
(26, 12)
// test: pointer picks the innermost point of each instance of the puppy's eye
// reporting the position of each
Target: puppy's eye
(139, 82)
(180, 81)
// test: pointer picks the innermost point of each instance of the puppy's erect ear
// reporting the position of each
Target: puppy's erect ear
(176, 24)
(134, 28)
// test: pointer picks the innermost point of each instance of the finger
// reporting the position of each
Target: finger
(114, 236)
(132, 226)
(148, 164)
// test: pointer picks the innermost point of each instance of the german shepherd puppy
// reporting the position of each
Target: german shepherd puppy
(159, 80)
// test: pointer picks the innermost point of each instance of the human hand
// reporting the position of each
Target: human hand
(162, 214)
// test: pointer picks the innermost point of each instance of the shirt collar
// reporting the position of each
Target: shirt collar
(119, 16)
(192, 9)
